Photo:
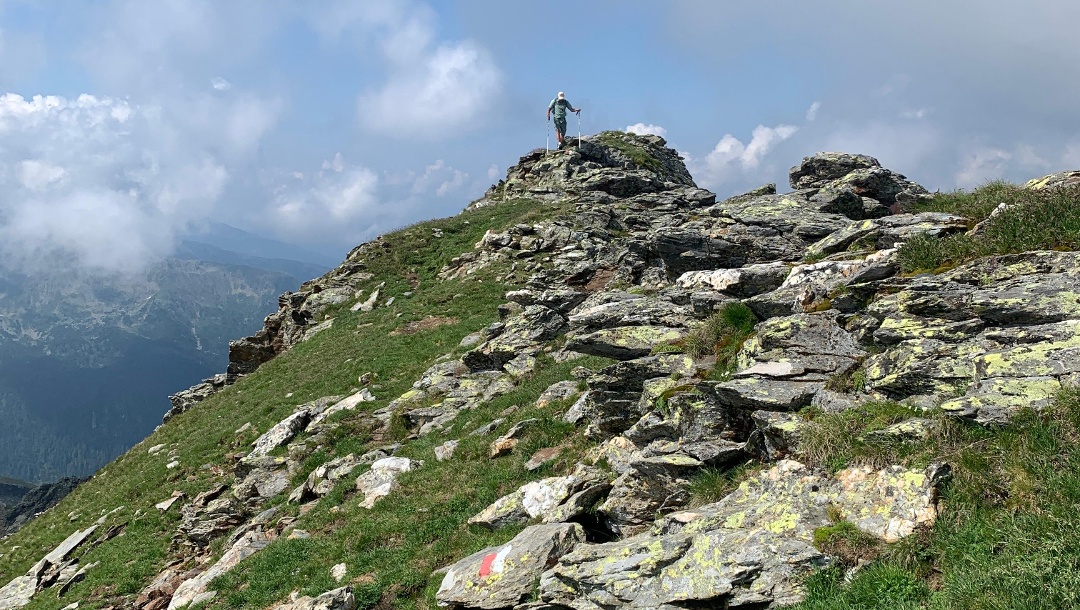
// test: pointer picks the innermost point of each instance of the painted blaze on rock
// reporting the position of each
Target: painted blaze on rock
(505, 576)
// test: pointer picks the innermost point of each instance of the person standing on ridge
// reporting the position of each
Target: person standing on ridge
(559, 106)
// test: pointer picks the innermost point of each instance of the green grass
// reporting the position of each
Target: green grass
(721, 335)
(711, 484)
(620, 141)
(1009, 532)
(1034, 220)
(391, 551)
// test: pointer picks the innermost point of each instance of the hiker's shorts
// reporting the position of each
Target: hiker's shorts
(560, 125)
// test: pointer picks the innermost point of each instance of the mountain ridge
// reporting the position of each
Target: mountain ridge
(594, 383)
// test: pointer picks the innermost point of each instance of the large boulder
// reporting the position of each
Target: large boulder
(825, 167)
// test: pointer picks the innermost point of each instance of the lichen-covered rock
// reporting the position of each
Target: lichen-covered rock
(625, 309)
(753, 548)
(625, 342)
(522, 334)
(986, 339)
(209, 515)
(818, 170)
(651, 486)
(889, 231)
(560, 390)
(804, 347)
(504, 576)
(1054, 181)
(778, 433)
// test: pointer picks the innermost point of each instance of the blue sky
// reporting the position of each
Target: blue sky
(327, 123)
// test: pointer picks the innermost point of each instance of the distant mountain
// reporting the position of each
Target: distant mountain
(87, 361)
(199, 251)
(12, 490)
(232, 239)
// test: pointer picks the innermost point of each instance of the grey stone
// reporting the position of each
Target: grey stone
(504, 576)
(626, 342)
(189, 590)
(382, 478)
(338, 599)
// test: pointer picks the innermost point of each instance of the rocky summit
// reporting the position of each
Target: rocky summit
(644, 339)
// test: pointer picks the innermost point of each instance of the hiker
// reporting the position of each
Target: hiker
(559, 105)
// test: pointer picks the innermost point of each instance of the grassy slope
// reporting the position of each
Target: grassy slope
(390, 551)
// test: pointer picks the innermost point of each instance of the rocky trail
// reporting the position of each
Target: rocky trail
(640, 264)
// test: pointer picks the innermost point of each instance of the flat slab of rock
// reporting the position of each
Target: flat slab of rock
(743, 282)
(767, 394)
(535, 499)
(192, 589)
(505, 576)
(624, 342)
(281, 433)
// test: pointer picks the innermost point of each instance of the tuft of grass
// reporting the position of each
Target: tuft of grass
(837, 441)
(722, 335)
(881, 585)
(1032, 220)
(712, 484)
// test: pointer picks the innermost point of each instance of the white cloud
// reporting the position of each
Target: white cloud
(306, 207)
(107, 181)
(434, 89)
(447, 92)
(915, 113)
(812, 111)
(732, 160)
(493, 172)
(642, 129)
(440, 179)
(344, 204)
(220, 84)
(39, 175)
(982, 165)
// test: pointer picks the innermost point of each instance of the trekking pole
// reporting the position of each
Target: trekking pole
(579, 130)
(547, 138)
